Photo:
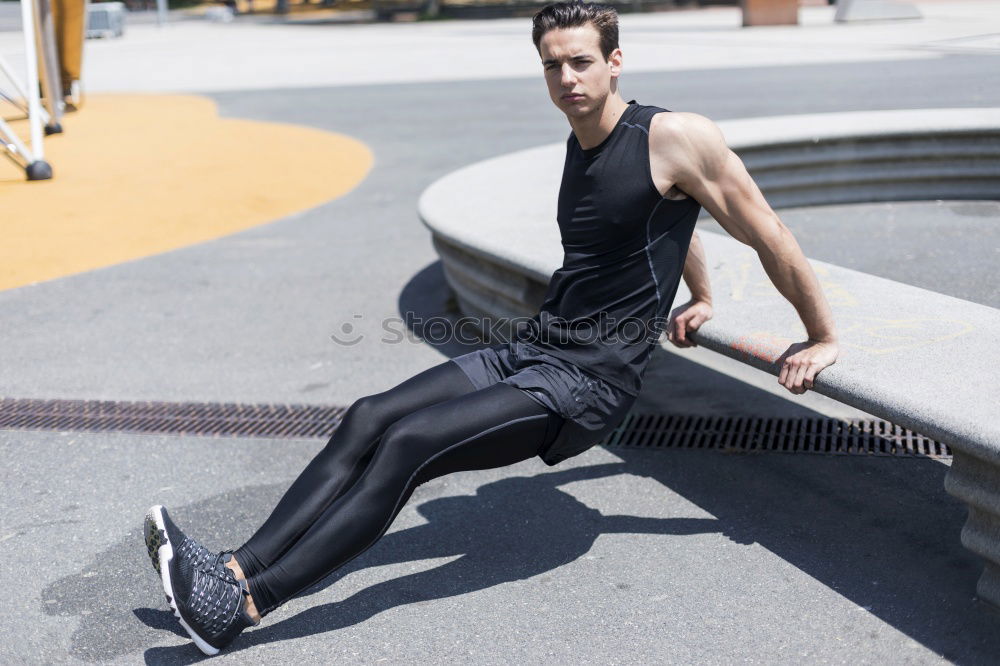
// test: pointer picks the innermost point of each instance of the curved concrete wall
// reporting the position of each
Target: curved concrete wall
(493, 225)
(498, 261)
(867, 156)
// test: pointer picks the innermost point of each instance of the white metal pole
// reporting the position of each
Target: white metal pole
(48, 68)
(31, 79)
(161, 12)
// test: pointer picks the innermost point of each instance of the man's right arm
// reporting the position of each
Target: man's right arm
(696, 271)
(688, 317)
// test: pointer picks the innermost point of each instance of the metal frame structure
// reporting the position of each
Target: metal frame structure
(41, 71)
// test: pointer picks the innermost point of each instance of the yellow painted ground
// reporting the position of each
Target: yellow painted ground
(135, 175)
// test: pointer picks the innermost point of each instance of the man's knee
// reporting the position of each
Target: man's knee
(360, 425)
(364, 408)
(367, 413)
(405, 443)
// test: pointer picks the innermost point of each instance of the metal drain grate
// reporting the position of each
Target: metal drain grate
(656, 431)
(798, 435)
(176, 418)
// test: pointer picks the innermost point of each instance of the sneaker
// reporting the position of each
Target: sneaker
(208, 602)
(160, 528)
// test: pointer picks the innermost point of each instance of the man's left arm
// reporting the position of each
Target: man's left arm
(693, 150)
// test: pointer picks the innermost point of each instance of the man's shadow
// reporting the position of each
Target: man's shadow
(902, 562)
(863, 527)
(511, 529)
(882, 533)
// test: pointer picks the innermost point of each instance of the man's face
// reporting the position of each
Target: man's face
(577, 75)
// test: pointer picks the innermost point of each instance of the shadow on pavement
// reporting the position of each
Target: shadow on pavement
(880, 532)
(512, 529)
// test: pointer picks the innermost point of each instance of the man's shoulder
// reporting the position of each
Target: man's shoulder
(675, 124)
(669, 132)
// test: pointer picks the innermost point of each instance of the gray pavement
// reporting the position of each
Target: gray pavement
(701, 557)
(616, 556)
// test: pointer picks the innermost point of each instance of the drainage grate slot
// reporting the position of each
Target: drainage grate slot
(178, 418)
(867, 437)
(645, 431)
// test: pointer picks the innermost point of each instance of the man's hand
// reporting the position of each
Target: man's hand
(686, 319)
(802, 361)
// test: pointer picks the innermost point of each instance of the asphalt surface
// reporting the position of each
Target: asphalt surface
(614, 556)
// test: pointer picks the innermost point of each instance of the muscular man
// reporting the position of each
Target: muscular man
(634, 181)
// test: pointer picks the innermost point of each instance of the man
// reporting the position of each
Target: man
(688, 157)
(634, 181)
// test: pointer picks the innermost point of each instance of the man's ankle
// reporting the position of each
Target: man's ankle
(251, 610)
(234, 566)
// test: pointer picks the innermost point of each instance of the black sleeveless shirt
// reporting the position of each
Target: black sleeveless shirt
(624, 249)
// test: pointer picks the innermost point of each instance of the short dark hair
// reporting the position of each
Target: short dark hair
(571, 14)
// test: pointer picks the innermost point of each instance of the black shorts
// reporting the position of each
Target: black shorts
(591, 407)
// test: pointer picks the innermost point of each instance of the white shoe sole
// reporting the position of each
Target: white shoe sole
(165, 553)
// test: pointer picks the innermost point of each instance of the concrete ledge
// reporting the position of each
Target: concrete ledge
(863, 156)
(909, 355)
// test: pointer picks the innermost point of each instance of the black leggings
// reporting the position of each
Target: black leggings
(387, 444)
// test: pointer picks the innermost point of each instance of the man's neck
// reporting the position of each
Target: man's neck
(590, 130)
